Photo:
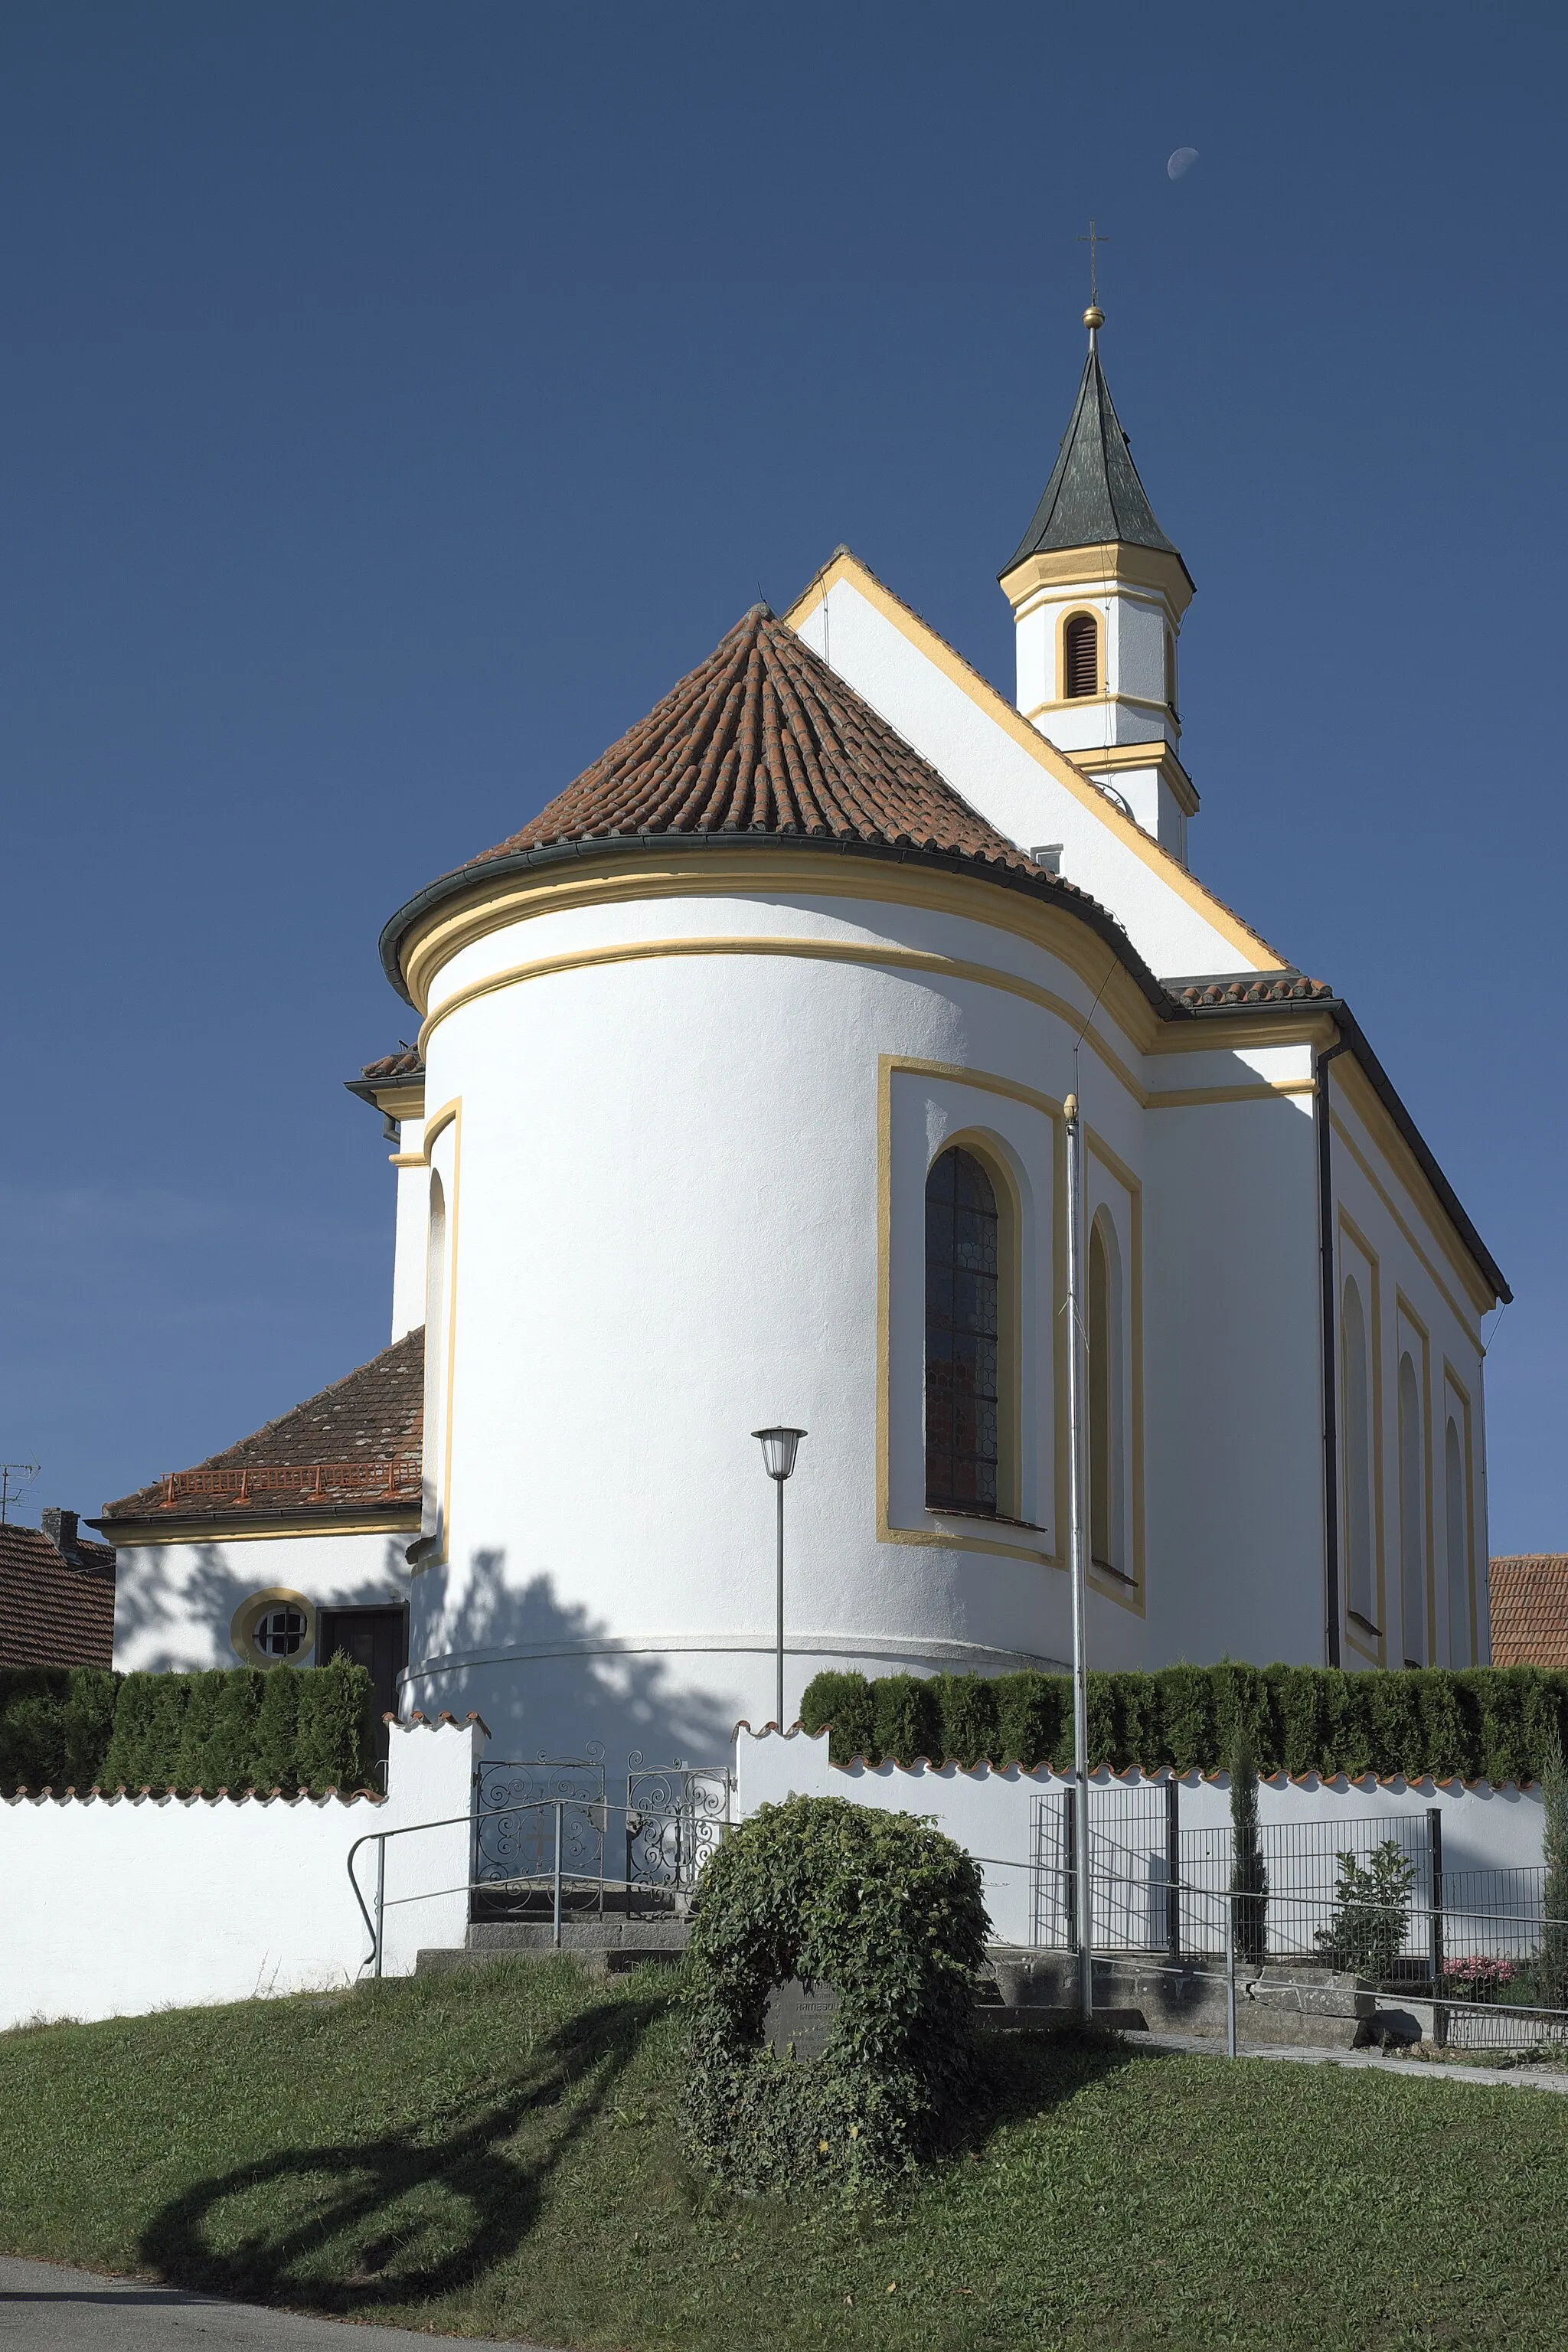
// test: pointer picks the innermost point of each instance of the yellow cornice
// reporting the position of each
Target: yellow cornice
(1115, 758)
(404, 1100)
(139, 1532)
(1108, 565)
(515, 897)
(1252, 949)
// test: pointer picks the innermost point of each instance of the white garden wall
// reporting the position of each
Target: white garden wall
(117, 1906)
(990, 1813)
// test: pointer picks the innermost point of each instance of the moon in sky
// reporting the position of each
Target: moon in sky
(1180, 162)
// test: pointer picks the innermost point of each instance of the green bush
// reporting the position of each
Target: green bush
(891, 1915)
(1492, 1723)
(1367, 1927)
(54, 1726)
(236, 1728)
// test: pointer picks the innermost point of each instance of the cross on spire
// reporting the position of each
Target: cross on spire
(1094, 240)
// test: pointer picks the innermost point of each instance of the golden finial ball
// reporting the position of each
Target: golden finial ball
(1094, 316)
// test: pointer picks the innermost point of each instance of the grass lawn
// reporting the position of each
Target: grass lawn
(496, 2155)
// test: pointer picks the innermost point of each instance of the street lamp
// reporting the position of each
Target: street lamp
(778, 1460)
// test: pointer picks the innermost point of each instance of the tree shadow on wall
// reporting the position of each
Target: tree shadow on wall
(359, 2226)
(188, 1617)
(588, 1682)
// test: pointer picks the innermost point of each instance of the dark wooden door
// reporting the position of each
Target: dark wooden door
(376, 1639)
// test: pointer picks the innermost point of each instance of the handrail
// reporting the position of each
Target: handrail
(558, 1805)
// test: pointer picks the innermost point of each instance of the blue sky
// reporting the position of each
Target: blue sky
(397, 399)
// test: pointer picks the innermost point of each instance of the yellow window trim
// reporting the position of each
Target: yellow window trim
(1377, 1652)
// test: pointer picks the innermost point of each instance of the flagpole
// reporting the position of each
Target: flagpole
(1083, 1890)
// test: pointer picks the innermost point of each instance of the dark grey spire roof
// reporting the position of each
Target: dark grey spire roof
(1094, 494)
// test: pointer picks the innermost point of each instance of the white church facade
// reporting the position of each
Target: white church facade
(736, 1100)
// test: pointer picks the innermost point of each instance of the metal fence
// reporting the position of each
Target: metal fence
(1365, 1894)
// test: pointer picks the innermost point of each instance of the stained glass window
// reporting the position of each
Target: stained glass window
(961, 1335)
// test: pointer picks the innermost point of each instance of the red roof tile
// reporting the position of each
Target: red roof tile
(1529, 1610)
(53, 1613)
(368, 1424)
(764, 738)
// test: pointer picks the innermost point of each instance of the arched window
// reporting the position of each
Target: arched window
(1171, 671)
(1455, 1522)
(1105, 1450)
(1356, 1440)
(962, 1331)
(1081, 655)
(1412, 1549)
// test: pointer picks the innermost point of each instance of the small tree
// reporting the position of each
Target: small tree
(1248, 1871)
(1372, 1912)
(1550, 1971)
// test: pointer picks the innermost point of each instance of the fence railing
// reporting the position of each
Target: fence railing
(319, 1482)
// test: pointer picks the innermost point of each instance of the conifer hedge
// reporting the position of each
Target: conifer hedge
(239, 1728)
(1492, 1723)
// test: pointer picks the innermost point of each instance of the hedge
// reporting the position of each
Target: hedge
(890, 1913)
(1492, 1723)
(238, 1729)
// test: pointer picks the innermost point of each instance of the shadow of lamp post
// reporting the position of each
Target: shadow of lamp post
(778, 1460)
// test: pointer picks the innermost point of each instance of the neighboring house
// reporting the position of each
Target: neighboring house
(1529, 1610)
(737, 1099)
(57, 1595)
(290, 1544)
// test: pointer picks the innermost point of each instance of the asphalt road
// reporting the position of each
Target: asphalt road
(46, 2309)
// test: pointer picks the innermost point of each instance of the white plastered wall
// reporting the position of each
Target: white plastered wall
(413, 1216)
(644, 1270)
(1387, 1234)
(176, 1602)
(1015, 789)
(119, 1905)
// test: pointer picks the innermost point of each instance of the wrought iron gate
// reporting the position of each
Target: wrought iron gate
(549, 1830)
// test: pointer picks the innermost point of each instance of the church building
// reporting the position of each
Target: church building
(736, 1100)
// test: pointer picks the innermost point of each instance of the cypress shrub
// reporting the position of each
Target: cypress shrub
(1248, 1872)
(148, 1719)
(231, 1760)
(89, 1714)
(970, 1730)
(908, 1721)
(1189, 1726)
(1550, 1971)
(334, 1738)
(197, 1731)
(842, 1703)
(1494, 1723)
(1105, 1744)
(273, 1761)
(1034, 1714)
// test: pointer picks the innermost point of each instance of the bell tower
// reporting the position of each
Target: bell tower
(1097, 593)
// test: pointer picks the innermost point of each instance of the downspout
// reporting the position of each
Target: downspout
(1331, 1347)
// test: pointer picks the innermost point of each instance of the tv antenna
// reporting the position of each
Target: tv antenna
(14, 1479)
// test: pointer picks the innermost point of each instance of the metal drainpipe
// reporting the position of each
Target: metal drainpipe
(1329, 1324)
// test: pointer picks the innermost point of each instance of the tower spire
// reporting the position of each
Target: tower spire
(1098, 593)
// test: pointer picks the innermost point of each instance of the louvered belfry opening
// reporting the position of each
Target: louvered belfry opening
(1080, 650)
(961, 1333)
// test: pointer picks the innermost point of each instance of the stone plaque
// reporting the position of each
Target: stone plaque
(799, 2017)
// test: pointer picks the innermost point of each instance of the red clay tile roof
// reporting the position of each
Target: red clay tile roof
(1244, 988)
(406, 1062)
(762, 737)
(363, 1436)
(51, 1613)
(1529, 1610)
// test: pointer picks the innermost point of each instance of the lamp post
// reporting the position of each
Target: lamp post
(778, 1460)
